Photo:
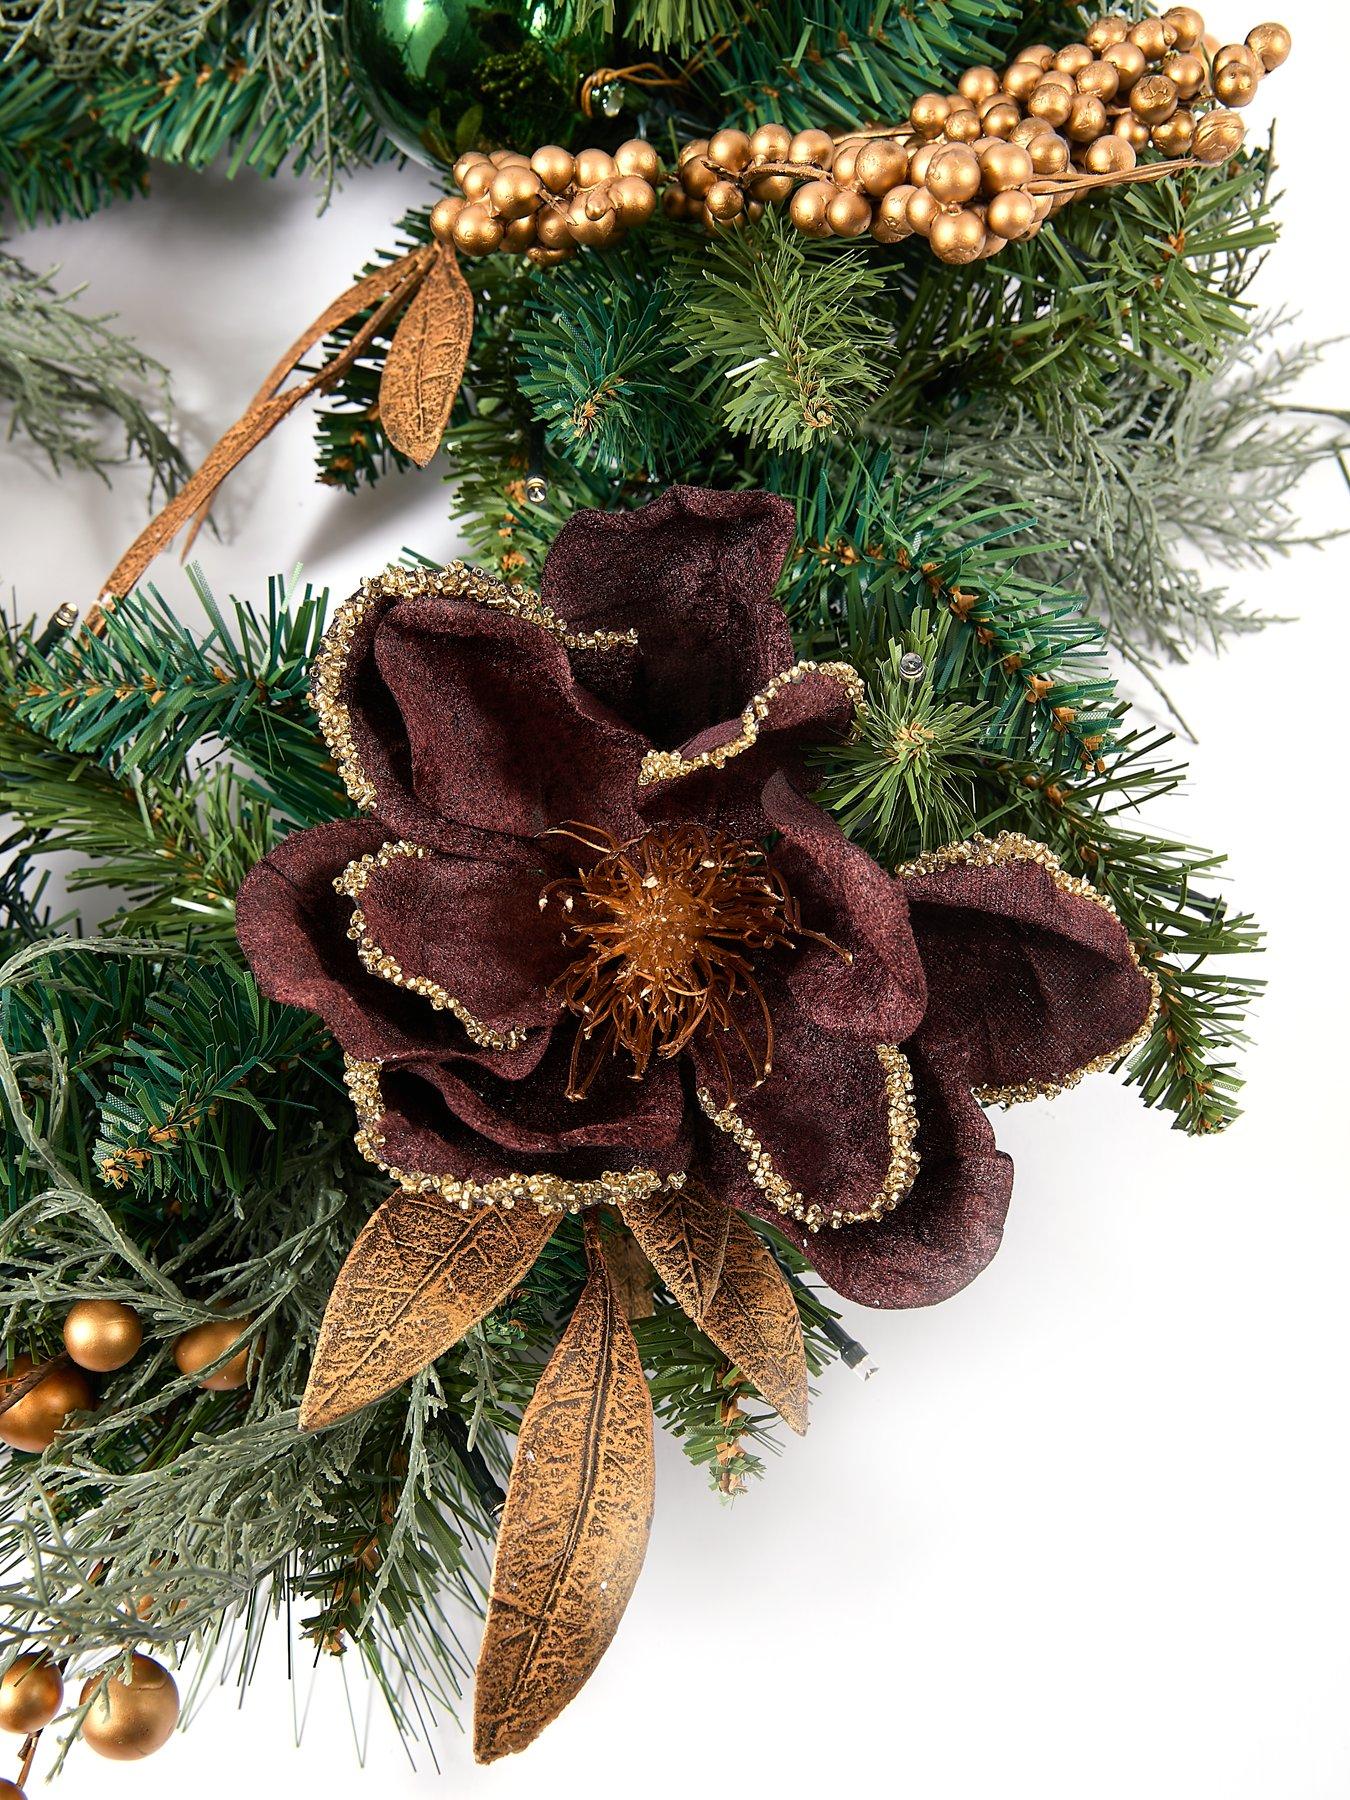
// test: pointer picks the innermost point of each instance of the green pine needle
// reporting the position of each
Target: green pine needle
(907, 781)
(781, 335)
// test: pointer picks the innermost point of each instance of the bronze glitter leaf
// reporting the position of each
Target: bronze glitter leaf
(385, 291)
(574, 1531)
(754, 1321)
(631, 1274)
(425, 364)
(419, 1275)
(683, 1233)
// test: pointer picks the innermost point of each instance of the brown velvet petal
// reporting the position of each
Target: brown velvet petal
(292, 927)
(822, 1118)
(468, 722)
(468, 935)
(693, 574)
(947, 1229)
(453, 1119)
(879, 992)
(1027, 983)
(725, 791)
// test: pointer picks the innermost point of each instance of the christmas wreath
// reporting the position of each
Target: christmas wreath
(618, 975)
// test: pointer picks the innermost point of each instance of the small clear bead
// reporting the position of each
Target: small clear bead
(536, 490)
(609, 98)
(912, 666)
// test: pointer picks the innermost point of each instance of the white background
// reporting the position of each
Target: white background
(1085, 1535)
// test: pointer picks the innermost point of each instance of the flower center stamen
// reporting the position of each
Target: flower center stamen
(665, 931)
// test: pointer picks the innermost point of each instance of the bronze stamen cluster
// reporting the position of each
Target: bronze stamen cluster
(969, 171)
(665, 931)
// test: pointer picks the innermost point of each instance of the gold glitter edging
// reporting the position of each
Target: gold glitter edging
(901, 1126)
(457, 581)
(549, 1193)
(353, 882)
(669, 765)
(980, 852)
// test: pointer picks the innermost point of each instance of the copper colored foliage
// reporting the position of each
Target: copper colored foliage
(419, 1275)
(753, 1319)
(426, 359)
(380, 296)
(683, 1233)
(574, 1532)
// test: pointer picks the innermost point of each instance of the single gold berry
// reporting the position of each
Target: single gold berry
(101, 1335)
(134, 1714)
(30, 1694)
(204, 1344)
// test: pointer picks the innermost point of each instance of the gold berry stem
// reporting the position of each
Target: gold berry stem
(26, 1383)
(969, 171)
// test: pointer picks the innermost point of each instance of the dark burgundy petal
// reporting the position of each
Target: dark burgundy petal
(468, 936)
(455, 1120)
(1030, 979)
(692, 574)
(459, 721)
(498, 735)
(830, 1123)
(719, 776)
(879, 992)
(292, 927)
(947, 1229)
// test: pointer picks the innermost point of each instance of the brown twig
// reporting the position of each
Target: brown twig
(26, 1383)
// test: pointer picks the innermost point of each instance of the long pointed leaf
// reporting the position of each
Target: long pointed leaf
(419, 1275)
(425, 364)
(574, 1531)
(753, 1320)
(683, 1234)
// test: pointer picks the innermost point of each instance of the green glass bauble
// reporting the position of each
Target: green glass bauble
(431, 70)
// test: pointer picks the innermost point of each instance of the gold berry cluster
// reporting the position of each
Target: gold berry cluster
(969, 171)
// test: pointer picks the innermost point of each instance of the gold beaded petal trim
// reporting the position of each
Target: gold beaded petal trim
(457, 581)
(669, 765)
(980, 852)
(901, 1126)
(549, 1193)
(353, 882)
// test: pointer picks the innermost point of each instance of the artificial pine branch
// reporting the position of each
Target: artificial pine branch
(912, 768)
(146, 694)
(598, 353)
(781, 338)
(1150, 284)
(56, 159)
(188, 81)
(840, 67)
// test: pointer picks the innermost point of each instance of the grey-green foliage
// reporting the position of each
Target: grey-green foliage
(1126, 494)
(782, 340)
(83, 393)
(79, 36)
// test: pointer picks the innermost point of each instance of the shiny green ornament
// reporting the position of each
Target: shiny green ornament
(431, 72)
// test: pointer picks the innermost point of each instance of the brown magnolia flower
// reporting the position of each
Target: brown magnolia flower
(591, 940)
